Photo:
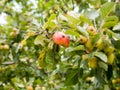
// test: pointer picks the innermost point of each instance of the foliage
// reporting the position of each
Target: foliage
(29, 59)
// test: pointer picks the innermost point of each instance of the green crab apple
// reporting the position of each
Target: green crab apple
(61, 38)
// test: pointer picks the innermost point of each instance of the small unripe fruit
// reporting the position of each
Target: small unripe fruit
(89, 45)
(114, 81)
(117, 88)
(29, 34)
(118, 80)
(97, 6)
(29, 88)
(91, 30)
(14, 33)
(109, 50)
(111, 58)
(88, 79)
(6, 47)
(51, 11)
(92, 63)
(43, 88)
(100, 44)
(23, 42)
(1, 47)
(61, 39)
(83, 39)
(84, 57)
(56, 7)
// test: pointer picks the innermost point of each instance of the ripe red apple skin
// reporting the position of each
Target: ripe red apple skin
(61, 39)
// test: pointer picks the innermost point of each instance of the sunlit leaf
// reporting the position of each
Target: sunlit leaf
(110, 21)
(50, 45)
(39, 40)
(2, 40)
(117, 27)
(72, 32)
(109, 24)
(85, 19)
(83, 31)
(72, 19)
(101, 55)
(106, 9)
(50, 21)
(77, 48)
(114, 35)
(103, 65)
(111, 18)
(96, 38)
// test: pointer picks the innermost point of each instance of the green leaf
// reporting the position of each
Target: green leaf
(50, 57)
(85, 19)
(2, 40)
(114, 35)
(71, 78)
(103, 65)
(110, 21)
(116, 44)
(83, 31)
(101, 55)
(77, 48)
(109, 24)
(41, 59)
(106, 9)
(117, 27)
(39, 40)
(96, 38)
(117, 10)
(72, 32)
(72, 19)
(50, 21)
(50, 45)
(111, 18)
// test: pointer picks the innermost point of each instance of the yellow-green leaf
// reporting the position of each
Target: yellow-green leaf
(106, 9)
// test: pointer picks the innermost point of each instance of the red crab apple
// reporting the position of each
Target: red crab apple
(61, 39)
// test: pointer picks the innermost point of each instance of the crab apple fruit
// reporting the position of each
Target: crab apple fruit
(114, 81)
(92, 62)
(109, 50)
(29, 88)
(83, 39)
(91, 30)
(89, 45)
(84, 57)
(100, 44)
(111, 58)
(61, 39)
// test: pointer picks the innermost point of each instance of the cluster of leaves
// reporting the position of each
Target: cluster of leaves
(30, 59)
